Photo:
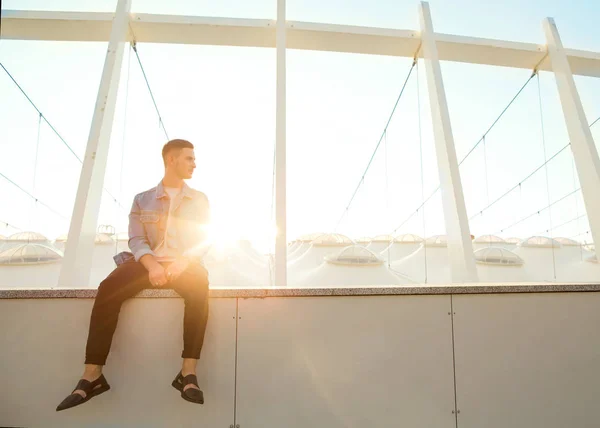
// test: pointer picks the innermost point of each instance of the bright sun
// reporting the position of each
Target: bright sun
(224, 235)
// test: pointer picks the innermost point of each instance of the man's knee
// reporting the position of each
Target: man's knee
(197, 274)
(196, 284)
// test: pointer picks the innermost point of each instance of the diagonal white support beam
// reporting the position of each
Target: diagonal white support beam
(460, 248)
(280, 152)
(82, 232)
(580, 135)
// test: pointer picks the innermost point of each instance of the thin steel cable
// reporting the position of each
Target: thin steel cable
(546, 171)
(35, 162)
(529, 176)
(538, 211)
(123, 141)
(578, 227)
(520, 182)
(422, 169)
(12, 226)
(562, 224)
(499, 117)
(60, 137)
(487, 188)
(41, 114)
(473, 148)
(160, 121)
(376, 147)
(33, 197)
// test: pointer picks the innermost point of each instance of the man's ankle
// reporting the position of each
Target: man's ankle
(92, 371)
(189, 366)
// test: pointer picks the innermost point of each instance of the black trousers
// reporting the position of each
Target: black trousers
(125, 282)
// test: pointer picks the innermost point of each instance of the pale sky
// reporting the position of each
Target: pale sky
(223, 100)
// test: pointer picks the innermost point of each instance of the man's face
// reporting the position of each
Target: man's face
(183, 163)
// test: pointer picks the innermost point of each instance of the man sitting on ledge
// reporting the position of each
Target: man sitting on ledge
(167, 237)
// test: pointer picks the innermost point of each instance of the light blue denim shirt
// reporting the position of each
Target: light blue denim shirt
(148, 221)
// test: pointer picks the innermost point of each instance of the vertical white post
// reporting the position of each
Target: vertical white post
(460, 248)
(582, 141)
(280, 153)
(79, 249)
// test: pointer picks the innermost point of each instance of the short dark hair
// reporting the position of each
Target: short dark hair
(177, 144)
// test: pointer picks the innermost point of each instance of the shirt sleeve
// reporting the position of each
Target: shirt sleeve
(138, 242)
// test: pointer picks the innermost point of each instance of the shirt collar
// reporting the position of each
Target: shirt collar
(186, 191)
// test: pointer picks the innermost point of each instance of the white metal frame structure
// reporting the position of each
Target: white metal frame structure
(77, 264)
(283, 35)
(582, 142)
(460, 249)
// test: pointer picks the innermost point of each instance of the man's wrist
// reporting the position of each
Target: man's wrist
(149, 262)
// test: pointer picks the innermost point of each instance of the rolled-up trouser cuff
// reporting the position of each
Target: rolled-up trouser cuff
(97, 361)
(190, 354)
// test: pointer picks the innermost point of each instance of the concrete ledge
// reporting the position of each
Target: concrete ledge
(86, 293)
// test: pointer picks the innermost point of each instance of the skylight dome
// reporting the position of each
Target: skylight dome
(540, 242)
(567, 242)
(332, 239)
(29, 253)
(497, 256)
(309, 237)
(486, 239)
(383, 238)
(62, 238)
(27, 237)
(355, 255)
(437, 241)
(408, 238)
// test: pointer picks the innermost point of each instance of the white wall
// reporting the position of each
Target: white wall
(42, 352)
(345, 362)
(527, 360)
(521, 360)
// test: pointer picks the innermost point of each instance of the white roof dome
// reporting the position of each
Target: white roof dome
(2, 237)
(100, 239)
(408, 238)
(497, 256)
(27, 237)
(437, 241)
(383, 238)
(540, 242)
(363, 240)
(486, 239)
(512, 240)
(30, 253)
(309, 237)
(568, 242)
(354, 255)
(332, 239)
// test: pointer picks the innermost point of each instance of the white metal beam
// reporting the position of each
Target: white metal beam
(92, 26)
(280, 152)
(79, 249)
(584, 149)
(460, 248)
